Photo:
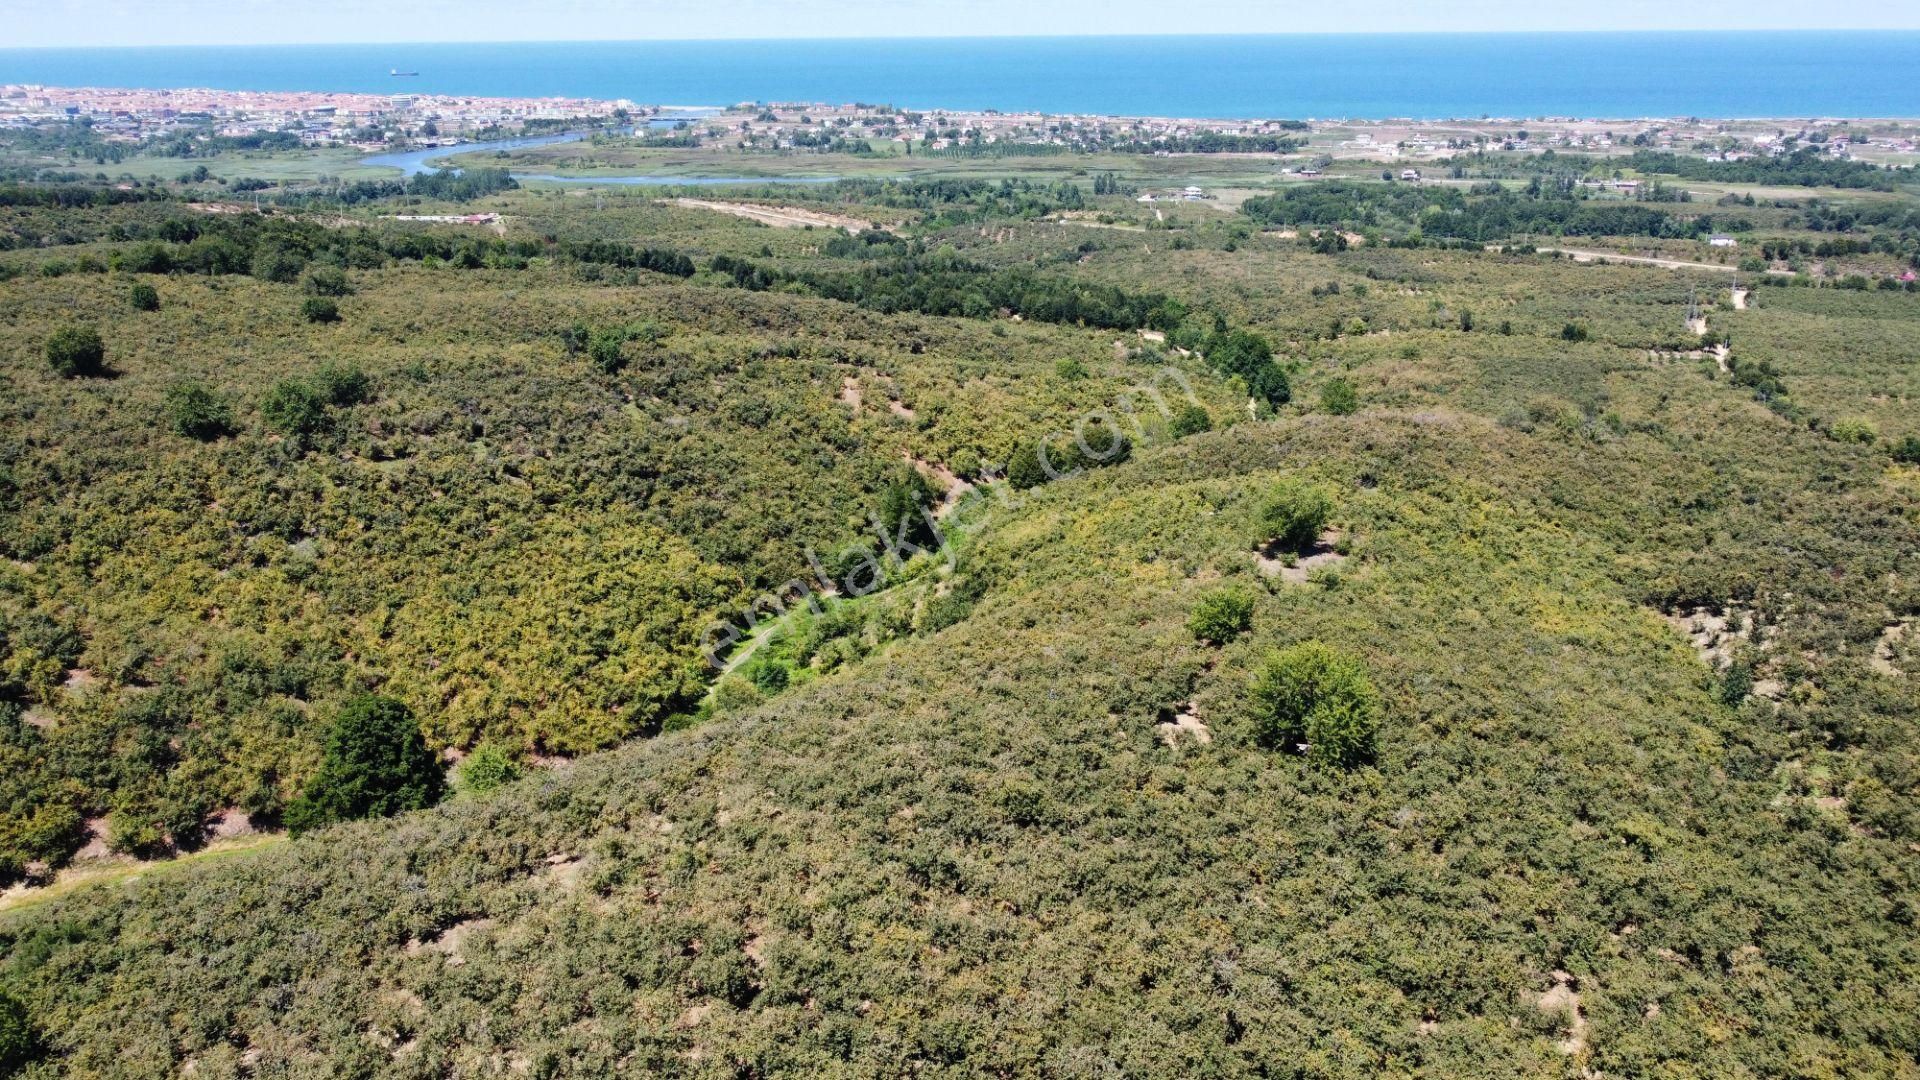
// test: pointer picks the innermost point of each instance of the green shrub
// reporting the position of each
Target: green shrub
(1024, 469)
(491, 765)
(342, 386)
(1907, 450)
(607, 351)
(19, 1042)
(76, 351)
(143, 297)
(1338, 397)
(1573, 332)
(198, 412)
(1070, 369)
(735, 692)
(1293, 514)
(1854, 430)
(277, 264)
(768, 674)
(295, 408)
(319, 309)
(1221, 615)
(1318, 696)
(375, 765)
(903, 507)
(1189, 419)
(326, 281)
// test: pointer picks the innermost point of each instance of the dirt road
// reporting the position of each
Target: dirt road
(781, 217)
(1585, 256)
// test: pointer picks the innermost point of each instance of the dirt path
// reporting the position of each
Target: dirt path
(1583, 255)
(1740, 298)
(782, 217)
(119, 868)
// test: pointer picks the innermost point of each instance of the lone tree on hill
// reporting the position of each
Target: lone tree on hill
(375, 765)
(1293, 514)
(1313, 696)
(75, 351)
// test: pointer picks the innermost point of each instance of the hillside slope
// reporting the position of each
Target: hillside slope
(976, 853)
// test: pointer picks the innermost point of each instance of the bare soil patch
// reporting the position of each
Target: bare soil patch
(1887, 649)
(1183, 724)
(1564, 999)
(783, 217)
(1274, 562)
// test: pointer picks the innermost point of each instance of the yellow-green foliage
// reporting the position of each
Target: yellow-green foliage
(969, 824)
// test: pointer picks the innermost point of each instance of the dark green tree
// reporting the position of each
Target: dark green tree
(1221, 615)
(1293, 514)
(197, 411)
(320, 309)
(19, 1042)
(294, 407)
(344, 386)
(606, 350)
(76, 351)
(1338, 397)
(903, 507)
(1189, 419)
(1313, 695)
(143, 297)
(375, 765)
(1024, 469)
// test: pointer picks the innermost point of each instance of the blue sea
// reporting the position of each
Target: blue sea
(1320, 76)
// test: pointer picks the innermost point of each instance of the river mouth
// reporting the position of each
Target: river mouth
(416, 162)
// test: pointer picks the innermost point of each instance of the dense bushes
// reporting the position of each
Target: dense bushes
(1316, 700)
(1482, 217)
(1221, 615)
(19, 1042)
(489, 766)
(1338, 398)
(76, 351)
(143, 297)
(375, 765)
(1292, 515)
(295, 407)
(197, 411)
(1094, 445)
(320, 309)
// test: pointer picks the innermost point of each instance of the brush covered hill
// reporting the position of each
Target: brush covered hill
(1641, 799)
(981, 851)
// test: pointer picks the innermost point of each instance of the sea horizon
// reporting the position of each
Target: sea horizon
(1430, 75)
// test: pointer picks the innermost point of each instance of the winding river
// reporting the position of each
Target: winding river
(415, 162)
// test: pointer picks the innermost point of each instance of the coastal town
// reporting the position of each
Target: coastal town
(380, 121)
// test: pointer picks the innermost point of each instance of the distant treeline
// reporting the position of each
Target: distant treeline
(281, 249)
(1802, 168)
(189, 144)
(448, 185)
(1484, 214)
(73, 195)
(944, 284)
(999, 150)
(1213, 142)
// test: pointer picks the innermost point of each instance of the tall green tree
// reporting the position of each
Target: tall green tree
(1314, 696)
(375, 765)
(76, 351)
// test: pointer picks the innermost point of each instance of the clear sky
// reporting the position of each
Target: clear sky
(197, 22)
